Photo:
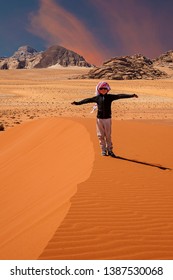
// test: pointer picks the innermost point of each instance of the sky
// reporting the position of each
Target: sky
(96, 29)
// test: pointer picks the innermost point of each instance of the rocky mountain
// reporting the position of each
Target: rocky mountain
(24, 57)
(165, 59)
(117, 68)
(62, 56)
(24, 52)
(126, 68)
(27, 57)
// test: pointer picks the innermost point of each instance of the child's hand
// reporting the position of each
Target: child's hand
(73, 103)
(135, 95)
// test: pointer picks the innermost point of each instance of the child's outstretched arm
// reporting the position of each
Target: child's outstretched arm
(123, 95)
(74, 103)
(127, 95)
(85, 101)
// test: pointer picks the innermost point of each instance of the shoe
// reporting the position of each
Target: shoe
(104, 153)
(110, 153)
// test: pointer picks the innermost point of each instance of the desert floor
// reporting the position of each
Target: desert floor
(59, 199)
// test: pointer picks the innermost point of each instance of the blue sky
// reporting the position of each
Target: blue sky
(96, 29)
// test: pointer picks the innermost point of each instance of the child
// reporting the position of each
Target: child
(103, 101)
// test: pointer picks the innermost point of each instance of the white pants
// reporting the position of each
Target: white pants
(104, 134)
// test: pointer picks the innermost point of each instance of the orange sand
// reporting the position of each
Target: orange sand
(40, 167)
(59, 199)
(125, 209)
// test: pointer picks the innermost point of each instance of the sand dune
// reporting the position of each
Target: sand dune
(40, 167)
(124, 210)
(59, 199)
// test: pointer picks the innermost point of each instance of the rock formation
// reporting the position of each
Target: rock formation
(126, 68)
(62, 56)
(26, 58)
(117, 68)
(165, 59)
(24, 52)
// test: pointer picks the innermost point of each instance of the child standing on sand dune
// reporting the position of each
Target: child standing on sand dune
(104, 101)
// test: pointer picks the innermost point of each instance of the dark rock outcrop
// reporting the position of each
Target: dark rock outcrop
(126, 68)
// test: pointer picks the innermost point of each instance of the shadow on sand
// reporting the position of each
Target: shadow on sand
(145, 163)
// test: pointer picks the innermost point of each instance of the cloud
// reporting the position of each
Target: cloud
(56, 25)
(131, 25)
(121, 28)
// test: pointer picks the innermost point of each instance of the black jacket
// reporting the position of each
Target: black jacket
(103, 103)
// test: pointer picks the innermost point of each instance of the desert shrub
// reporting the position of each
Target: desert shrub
(2, 128)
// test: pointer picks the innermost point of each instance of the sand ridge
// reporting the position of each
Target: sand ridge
(124, 209)
(39, 169)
